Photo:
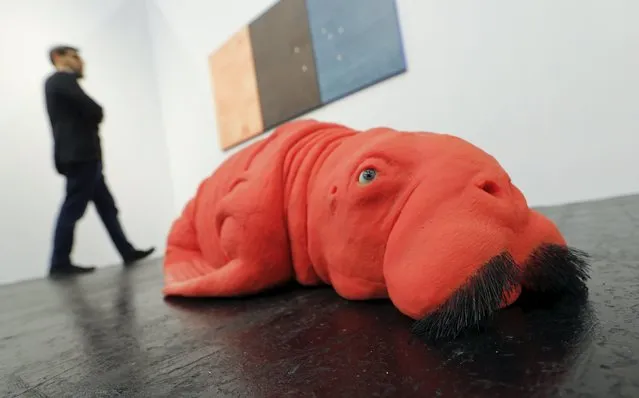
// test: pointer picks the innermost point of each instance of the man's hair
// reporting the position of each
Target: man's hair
(60, 50)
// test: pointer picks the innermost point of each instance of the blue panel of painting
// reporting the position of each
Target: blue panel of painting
(357, 43)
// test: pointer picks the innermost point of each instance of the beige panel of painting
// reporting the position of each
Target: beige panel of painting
(237, 102)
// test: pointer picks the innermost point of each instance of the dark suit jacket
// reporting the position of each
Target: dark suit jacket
(75, 120)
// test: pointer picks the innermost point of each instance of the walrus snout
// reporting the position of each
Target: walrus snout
(432, 251)
(494, 195)
(452, 270)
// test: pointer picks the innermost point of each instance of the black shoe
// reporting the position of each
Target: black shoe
(69, 270)
(138, 255)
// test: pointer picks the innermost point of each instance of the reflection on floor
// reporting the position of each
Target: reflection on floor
(111, 334)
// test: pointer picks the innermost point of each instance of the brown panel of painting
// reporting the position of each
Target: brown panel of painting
(237, 103)
(284, 62)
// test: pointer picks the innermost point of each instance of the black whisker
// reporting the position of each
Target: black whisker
(551, 272)
(556, 270)
(473, 303)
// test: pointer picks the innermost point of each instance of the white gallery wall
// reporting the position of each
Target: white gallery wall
(114, 39)
(549, 87)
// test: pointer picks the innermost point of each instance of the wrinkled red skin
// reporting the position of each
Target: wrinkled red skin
(293, 206)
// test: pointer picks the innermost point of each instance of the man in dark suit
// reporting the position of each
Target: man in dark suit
(75, 119)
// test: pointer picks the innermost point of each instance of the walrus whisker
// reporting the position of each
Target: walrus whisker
(556, 270)
(551, 271)
(473, 303)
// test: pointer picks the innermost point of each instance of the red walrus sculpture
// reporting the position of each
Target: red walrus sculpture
(428, 220)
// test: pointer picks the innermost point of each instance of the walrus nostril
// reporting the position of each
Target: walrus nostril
(489, 187)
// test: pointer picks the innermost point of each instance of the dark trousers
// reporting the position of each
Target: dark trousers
(85, 183)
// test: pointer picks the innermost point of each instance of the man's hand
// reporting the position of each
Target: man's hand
(66, 86)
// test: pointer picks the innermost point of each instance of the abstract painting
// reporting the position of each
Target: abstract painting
(357, 43)
(284, 62)
(237, 102)
(300, 55)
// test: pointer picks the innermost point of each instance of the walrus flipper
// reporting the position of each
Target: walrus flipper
(248, 240)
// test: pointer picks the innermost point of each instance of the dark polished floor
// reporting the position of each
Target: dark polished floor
(111, 334)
